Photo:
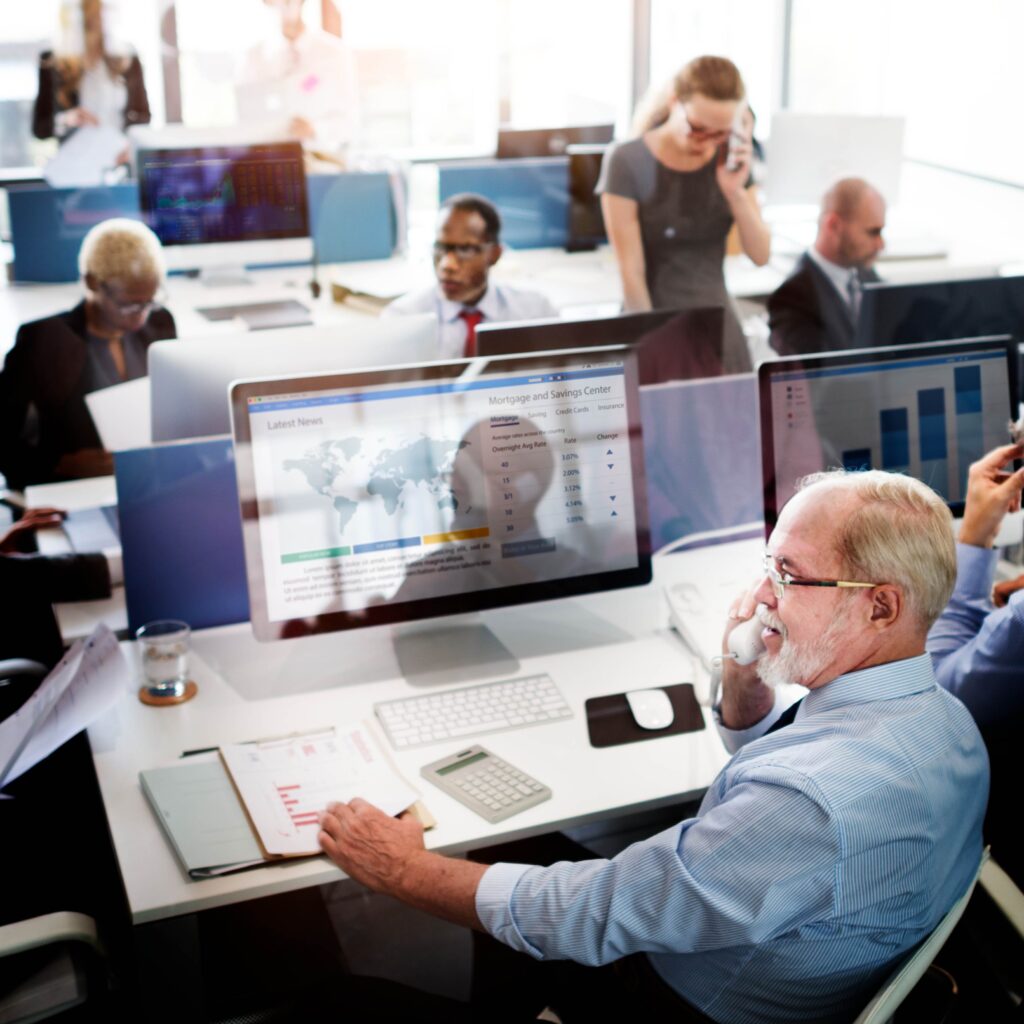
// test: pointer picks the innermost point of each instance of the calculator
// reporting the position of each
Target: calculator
(485, 783)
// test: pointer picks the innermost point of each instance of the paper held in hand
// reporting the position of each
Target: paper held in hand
(87, 681)
(283, 784)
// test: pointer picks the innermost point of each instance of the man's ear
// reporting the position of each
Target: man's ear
(90, 282)
(495, 253)
(886, 605)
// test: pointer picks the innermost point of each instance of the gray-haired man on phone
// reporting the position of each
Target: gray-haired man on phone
(832, 842)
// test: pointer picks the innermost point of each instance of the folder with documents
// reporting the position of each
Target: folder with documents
(250, 803)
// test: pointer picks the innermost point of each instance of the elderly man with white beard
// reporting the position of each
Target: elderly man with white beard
(833, 841)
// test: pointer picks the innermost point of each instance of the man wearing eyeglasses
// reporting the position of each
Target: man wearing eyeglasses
(817, 307)
(46, 432)
(832, 842)
(466, 247)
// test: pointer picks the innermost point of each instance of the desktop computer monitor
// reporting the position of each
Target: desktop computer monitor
(927, 410)
(228, 205)
(586, 221)
(669, 344)
(902, 314)
(388, 496)
(516, 143)
(189, 377)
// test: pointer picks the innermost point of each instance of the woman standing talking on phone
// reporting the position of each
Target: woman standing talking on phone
(670, 196)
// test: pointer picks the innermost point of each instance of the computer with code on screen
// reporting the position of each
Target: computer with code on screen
(218, 208)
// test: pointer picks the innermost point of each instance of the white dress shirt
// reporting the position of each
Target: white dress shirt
(840, 277)
(499, 303)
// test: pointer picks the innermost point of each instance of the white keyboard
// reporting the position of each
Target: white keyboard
(472, 711)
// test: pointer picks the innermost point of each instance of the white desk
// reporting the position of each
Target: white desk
(248, 690)
(579, 284)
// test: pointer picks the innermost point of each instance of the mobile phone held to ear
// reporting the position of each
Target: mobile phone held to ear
(745, 642)
(738, 139)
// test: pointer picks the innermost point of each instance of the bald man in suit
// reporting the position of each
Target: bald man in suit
(815, 309)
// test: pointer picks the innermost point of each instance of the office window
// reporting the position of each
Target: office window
(748, 32)
(213, 40)
(566, 63)
(951, 69)
(36, 28)
(430, 84)
(25, 37)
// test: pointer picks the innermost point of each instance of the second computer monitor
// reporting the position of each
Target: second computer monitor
(670, 344)
(902, 314)
(926, 410)
(189, 378)
(516, 143)
(227, 205)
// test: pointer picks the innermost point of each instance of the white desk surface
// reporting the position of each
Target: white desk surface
(578, 284)
(246, 690)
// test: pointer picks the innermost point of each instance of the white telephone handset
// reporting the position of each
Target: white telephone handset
(745, 642)
(745, 647)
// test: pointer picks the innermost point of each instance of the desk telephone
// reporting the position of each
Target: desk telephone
(685, 611)
(745, 641)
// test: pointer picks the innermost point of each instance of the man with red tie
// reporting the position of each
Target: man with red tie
(465, 248)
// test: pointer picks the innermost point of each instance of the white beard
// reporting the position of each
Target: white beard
(800, 663)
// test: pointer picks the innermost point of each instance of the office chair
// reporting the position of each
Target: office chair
(52, 963)
(46, 966)
(902, 981)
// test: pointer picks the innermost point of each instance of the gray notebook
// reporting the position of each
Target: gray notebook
(202, 816)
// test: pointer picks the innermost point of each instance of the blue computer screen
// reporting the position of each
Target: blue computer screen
(224, 193)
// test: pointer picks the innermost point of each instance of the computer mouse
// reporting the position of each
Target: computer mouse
(651, 709)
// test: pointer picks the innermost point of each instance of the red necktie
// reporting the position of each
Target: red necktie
(472, 318)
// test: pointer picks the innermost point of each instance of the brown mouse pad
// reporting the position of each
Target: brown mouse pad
(610, 722)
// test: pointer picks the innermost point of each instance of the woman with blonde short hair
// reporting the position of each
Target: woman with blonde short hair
(46, 432)
(670, 196)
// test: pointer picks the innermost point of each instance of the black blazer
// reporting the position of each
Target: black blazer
(48, 103)
(807, 315)
(46, 371)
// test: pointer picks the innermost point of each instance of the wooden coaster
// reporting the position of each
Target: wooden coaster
(158, 702)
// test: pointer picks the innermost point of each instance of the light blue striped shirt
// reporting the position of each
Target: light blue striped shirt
(978, 649)
(820, 853)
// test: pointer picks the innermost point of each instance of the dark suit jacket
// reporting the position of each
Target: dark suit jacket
(807, 315)
(46, 370)
(48, 102)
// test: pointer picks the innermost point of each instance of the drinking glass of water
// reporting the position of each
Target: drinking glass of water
(164, 649)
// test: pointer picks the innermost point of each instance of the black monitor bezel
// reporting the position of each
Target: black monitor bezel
(409, 611)
(875, 292)
(518, 337)
(191, 152)
(632, 329)
(855, 357)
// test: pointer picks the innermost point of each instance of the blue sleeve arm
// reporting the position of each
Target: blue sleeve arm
(977, 649)
(756, 865)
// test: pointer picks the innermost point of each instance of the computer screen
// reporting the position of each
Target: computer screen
(226, 196)
(586, 221)
(516, 143)
(669, 344)
(189, 377)
(927, 410)
(901, 314)
(414, 492)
